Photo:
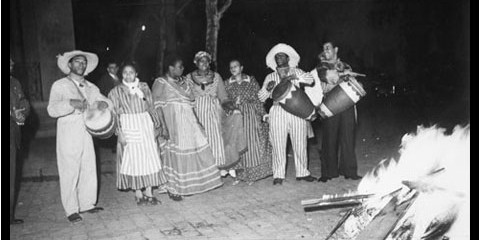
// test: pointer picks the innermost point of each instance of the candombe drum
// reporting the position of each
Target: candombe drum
(293, 100)
(99, 123)
(341, 97)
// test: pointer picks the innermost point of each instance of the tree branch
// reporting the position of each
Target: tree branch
(224, 8)
(183, 6)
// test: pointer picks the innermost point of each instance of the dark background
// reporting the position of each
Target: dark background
(420, 47)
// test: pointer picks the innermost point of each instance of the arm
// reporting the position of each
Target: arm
(157, 90)
(58, 104)
(22, 102)
(259, 109)
(264, 94)
(221, 92)
(116, 109)
(304, 77)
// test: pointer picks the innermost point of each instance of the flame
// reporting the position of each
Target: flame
(435, 165)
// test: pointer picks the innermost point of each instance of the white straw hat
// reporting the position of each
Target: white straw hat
(282, 48)
(62, 61)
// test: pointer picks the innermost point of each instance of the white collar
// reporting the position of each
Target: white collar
(113, 76)
(244, 79)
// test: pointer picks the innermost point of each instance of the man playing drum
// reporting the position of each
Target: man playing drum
(338, 130)
(280, 58)
(69, 97)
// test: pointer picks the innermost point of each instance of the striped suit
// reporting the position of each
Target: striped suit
(283, 123)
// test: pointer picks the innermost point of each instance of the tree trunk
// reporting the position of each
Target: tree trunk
(168, 40)
(213, 26)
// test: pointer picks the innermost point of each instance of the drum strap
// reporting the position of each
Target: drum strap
(78, 89)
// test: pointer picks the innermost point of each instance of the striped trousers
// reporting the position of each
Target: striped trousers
(283, 123)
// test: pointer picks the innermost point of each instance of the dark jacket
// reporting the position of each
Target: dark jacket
(17, 101)
(106, 84)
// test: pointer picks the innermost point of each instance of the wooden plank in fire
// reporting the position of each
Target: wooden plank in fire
(335, 200)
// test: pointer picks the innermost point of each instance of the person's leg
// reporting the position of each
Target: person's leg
(298, 133)
(278, 138)
(330, 147)
(347, 143)
(13, 169)
(87, 183)
(68, 163)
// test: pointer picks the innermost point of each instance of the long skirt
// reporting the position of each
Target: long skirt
(187, 157)
(257, 161)
(139, 163)
(209, 113)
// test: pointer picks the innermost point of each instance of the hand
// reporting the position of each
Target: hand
(102, 105)
(81, 105)
(270, 85)
(237, 111)
(332, 77)
(266, 118)
(290, 78)
(165, 133)
(121, 138)
(19, 114)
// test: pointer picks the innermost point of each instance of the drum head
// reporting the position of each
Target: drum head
(281, 90)
(357, 87)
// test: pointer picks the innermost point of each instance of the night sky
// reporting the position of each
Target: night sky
(419, 43)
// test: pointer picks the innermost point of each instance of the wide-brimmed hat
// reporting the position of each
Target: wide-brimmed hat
(62, 61)
(282, 48)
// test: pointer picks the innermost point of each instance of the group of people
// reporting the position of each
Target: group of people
(188, 131)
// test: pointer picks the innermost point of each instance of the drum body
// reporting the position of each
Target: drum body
(340, 98)
(293, 100)
(99, 123)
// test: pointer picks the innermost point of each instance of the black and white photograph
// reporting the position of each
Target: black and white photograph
(240, 119)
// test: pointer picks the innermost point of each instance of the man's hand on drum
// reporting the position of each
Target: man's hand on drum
(291, 78)
(78, 104)
(332, 77)
(102, 105)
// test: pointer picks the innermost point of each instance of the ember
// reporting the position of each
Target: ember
(422, 195)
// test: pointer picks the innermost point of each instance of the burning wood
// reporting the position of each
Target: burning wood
(335, 201)
(423, 195)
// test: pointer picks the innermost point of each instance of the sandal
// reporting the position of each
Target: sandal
(151, 200)
(175, 197)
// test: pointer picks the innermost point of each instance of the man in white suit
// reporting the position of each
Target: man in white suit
(69, 97)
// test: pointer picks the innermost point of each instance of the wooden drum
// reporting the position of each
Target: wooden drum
(99, 123)
(293, 100)
(340, 98)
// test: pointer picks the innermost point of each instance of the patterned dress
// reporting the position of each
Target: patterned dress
(138, 162)
(257, 161)
(208, 92)
(187, 157)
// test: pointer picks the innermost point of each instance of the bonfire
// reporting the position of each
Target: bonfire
(424, 194)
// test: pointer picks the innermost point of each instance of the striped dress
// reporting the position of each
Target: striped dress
(138, 162)
(257, 161)
(188, 160)
(282, 124)
(209, 112)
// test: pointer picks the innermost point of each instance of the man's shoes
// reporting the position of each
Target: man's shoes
(277, 181)
(324, 179)
(355, 177)
(73, 218)
(308, 178)
(16, 221)
(93, 210)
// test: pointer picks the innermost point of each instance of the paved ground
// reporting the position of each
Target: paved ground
(260, 211)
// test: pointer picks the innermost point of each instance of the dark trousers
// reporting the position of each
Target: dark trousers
(13, 170)
(339, 134)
